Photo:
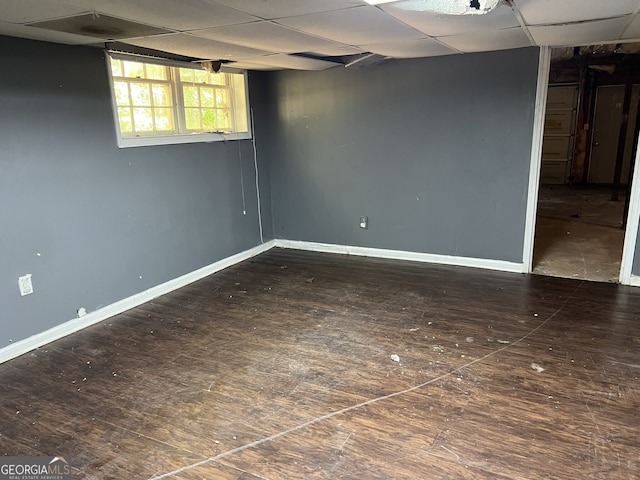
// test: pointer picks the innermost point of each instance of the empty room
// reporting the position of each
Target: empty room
(293, 239)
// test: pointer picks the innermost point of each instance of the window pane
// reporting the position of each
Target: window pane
(223, 120)
(124, 118)
(238, 100)
(186, 75)
(201, 76)
(116, 67)
(192, 118)
(164, 119)
(156, 72)
(133, 69)
(143, 119)
(222, 98)
(209, 120)
(140, 94)
(121, 91)
(146, 104)
(191, 96)
(219, 78)
(161, 95)
(206, 97)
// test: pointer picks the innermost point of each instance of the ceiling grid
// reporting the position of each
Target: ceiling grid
(314, 35)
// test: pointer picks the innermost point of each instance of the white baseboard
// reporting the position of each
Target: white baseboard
(23, 346)
(403, 255)
(634, 281)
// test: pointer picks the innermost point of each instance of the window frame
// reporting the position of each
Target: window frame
(178, 106)
(180, 92)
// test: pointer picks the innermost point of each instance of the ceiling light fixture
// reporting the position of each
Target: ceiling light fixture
(448, 7)
(379, 2)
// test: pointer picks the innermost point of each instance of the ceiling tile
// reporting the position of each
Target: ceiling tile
(598, 31)
(26, 11)
(267, 36)
(440, 25)
(100, 26)
(13, 30)
(544, 12)
(339, 50)
(272, 9)
(237, 30)
(633, 30)
(487, 41)
(191, 46)
(182, 15)
(423, 47)
(247, 65)
(293, 62)
(354, 26)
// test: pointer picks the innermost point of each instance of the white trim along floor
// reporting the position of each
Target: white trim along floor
(23, 346)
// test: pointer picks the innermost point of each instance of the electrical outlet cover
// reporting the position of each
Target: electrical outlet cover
(24, 282)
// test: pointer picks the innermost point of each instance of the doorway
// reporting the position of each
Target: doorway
(578, 233)
(584, 178)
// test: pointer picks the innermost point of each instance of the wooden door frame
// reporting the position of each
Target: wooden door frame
(631, 230)
(542, 88)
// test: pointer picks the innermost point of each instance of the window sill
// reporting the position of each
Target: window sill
(128, 142)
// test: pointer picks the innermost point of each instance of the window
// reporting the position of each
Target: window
(157, 104)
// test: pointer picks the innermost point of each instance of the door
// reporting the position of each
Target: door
(607, 120)
(559, 130)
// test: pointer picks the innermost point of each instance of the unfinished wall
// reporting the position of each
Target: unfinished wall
(93, 223)
(434, 151)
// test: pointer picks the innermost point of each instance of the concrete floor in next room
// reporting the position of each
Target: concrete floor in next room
(578, 233)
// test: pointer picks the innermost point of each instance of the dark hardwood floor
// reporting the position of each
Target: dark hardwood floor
(304, 365)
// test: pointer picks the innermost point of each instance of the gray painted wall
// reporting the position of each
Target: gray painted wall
(93, 223)
(261, 112)
(435, 152)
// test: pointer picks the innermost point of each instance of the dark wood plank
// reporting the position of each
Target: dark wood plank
(281, 367)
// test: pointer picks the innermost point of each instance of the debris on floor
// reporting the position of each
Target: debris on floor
(504, 342)
(537, 367)
(414, 329)
(437, 348)
(395, 358)
(310, 279)
(469, 339)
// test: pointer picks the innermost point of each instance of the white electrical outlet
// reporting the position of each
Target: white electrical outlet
(24, 282)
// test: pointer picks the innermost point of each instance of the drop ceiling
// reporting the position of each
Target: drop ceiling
(319, 34)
